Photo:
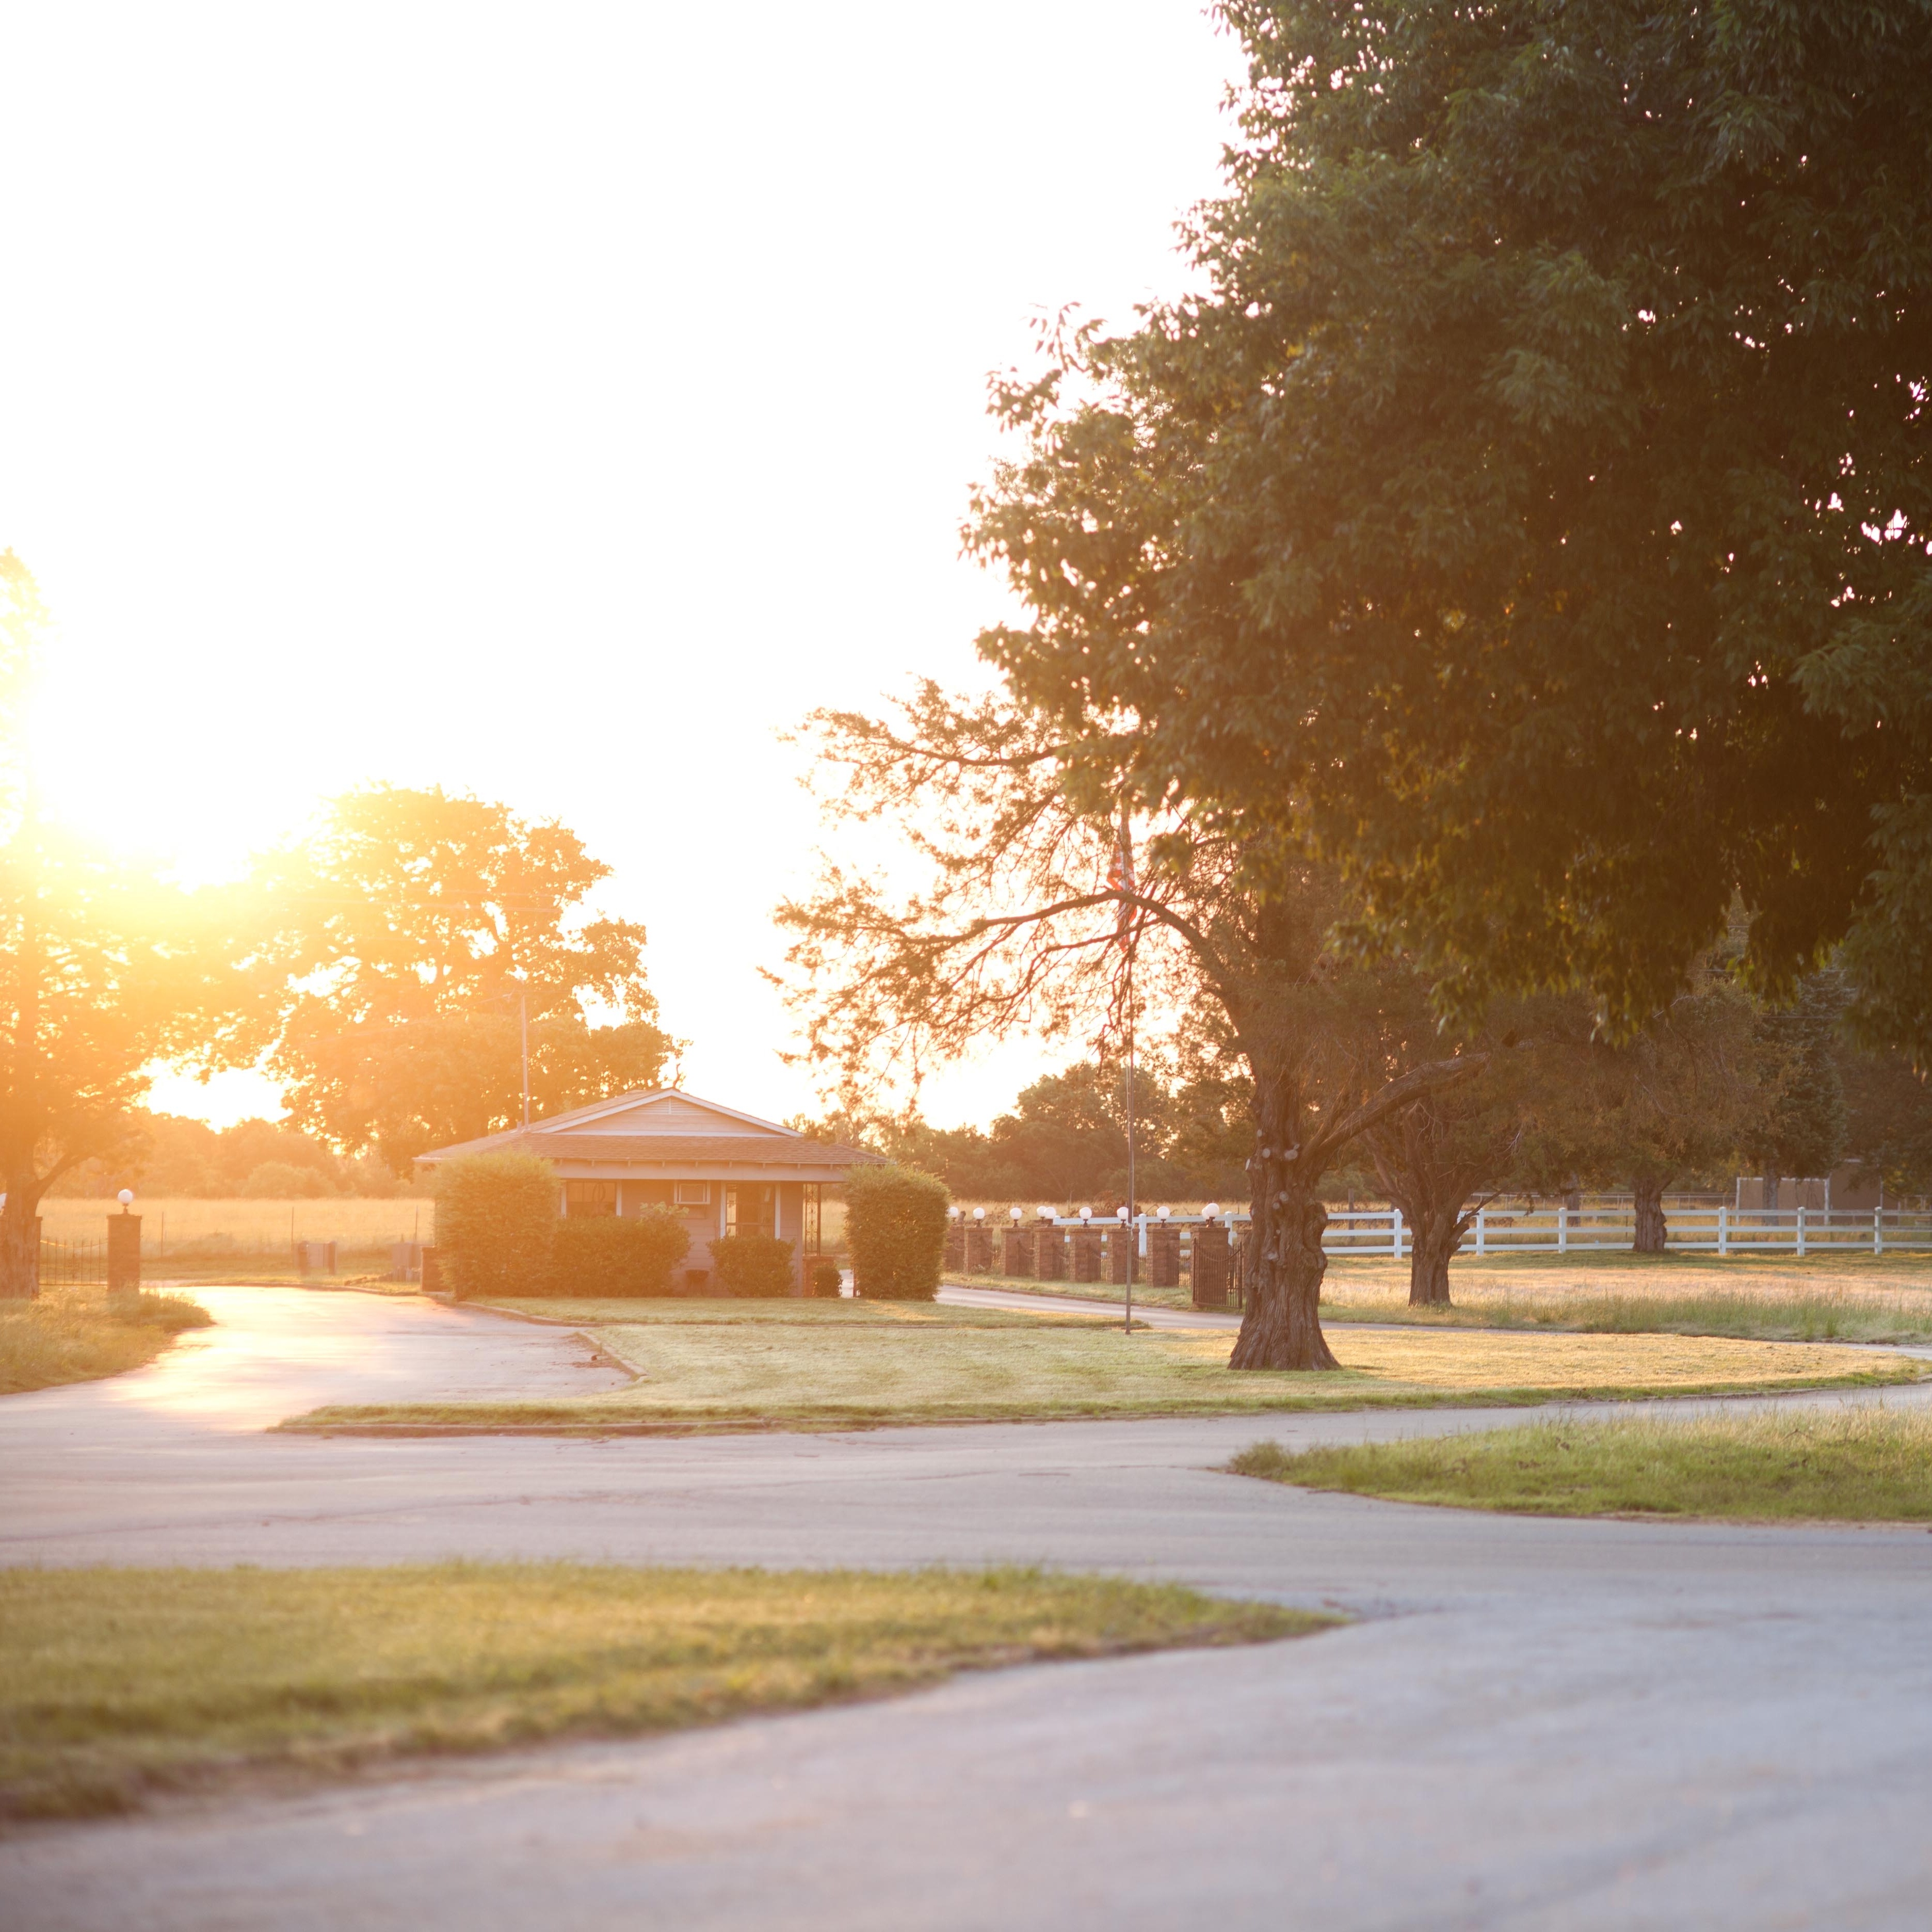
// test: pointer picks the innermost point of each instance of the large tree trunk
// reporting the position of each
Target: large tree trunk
(1281, 1324)
(1771, 1181)
(1437, 1236)
(1652, 1231)
(19, 1244)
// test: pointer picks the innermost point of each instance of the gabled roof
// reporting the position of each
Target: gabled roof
(659, 1125)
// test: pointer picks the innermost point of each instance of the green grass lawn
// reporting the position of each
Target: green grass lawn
(1855, 1465)
(1840, 1297)
(117, 1683)
(71, 1335)
(844, 1364)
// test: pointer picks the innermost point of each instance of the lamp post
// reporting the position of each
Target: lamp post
(124, 1250)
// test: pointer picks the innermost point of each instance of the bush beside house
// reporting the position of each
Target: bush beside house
(606, 1256)
(755, 1265)
(895, 1228)
(496, 1224)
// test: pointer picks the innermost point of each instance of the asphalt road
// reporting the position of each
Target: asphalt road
(1532, 1724)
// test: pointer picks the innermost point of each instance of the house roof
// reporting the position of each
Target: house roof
(660, 1127)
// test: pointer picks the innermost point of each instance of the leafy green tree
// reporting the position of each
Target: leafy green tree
(1888, 1119)
(1680, 1101)
(417, 928)
(1532, 501)
(104, 971)
(1027, 915)
(1806, 1130)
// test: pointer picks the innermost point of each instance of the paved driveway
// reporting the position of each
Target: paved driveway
(1534, 1724)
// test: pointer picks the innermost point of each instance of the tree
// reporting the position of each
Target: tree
(1532, 501)
(1680, 1100)
(1029, 913)
(1445, 1157)
(419, 928)
(1804, 1131)
(106, 970)
(1887, 1118)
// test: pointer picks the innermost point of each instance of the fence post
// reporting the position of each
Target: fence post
(1800, 1228)
(1878, 1230)
(1723, 1229)
(1395, 1230)
(1562, 1227)
(1480, 1213)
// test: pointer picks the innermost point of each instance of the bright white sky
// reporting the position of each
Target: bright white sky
(553, 403)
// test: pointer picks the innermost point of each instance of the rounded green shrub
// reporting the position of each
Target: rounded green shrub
(823, 1277)
(606, 1255)
(755, 1265)
(752, 1266)
(895, 1227)
(496, 1220)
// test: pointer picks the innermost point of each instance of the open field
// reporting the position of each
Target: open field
(1856, 1465)
(178, 1232)
(1847, 1298)
(845, 1364)
(116, 1683)
(70, 1335)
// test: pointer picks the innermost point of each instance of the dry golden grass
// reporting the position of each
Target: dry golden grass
(71, 1335)
(114, 1683)
(195, 1235)
(843, 1364)
(1857, 1466)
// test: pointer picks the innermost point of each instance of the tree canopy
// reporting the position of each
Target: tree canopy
(415, 926)
(103, 970)
(1532, 506)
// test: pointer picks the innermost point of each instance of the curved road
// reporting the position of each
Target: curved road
(1533, 1724)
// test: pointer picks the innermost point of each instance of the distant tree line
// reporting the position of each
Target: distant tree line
(256, 1160)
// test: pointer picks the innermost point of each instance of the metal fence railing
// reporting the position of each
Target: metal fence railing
(73, 1264)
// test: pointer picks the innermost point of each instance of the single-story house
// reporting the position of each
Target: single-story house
(726, 1172)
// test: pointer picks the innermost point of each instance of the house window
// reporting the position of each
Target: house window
(691, 1193)
(751, 1210)
(589, 1197)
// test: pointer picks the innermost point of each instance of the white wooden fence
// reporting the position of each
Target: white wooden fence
(1381, 1233)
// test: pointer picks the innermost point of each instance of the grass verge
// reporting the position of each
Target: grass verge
(844, 1365)
(1783, 1298)
(116, 1684)
(71, 1335)
(1858, 1466)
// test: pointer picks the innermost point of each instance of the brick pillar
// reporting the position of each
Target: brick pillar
(1052, 1252)
(1016, 1253)
(1210, 1264)
(1119, 1253)
(956, 1246)
(123, 1254)
(1086, 1254)
(978, 1248)
(1163, 1254)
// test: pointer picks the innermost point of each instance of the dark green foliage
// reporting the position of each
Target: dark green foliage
(1889, 1119)
(1807, 1130)
(895, 1227)
(1532, 503)
(496, 1222)
(604, 1255)
(757, 1266)
(822, 1277)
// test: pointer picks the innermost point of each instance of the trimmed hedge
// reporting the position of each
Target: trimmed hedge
(496, 1218)
(895, 1227)
(757, 1266)
(822, 1277)
(604, 1255)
